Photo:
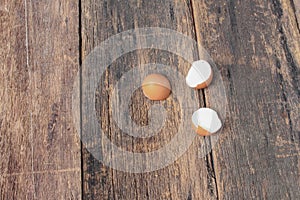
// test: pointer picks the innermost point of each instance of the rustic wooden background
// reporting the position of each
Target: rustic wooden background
(256, 46)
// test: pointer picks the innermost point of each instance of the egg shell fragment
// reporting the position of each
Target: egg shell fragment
(200, 75)
(206, 121)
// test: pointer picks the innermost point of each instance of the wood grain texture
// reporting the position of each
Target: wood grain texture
(15, 140)
(40, 147)
(257, 46)
(53, 58)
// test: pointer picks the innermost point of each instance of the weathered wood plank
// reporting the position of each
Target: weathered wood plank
(53, 42)
(189, 177)
(40, 147)
(15, 136)
(256, 44)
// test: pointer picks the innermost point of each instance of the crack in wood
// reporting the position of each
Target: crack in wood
(172, 15)
(80, 54)
(295, 14)
(284, 97)
(234, 28)
(52, 125)
(210, 167)
(294, 71)
(189, 197)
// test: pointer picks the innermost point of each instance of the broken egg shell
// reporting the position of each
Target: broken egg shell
(200, 75)
(206, 83)
(156, 87)
(206, 121)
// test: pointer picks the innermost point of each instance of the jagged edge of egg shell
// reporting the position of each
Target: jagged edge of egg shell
(201, 131)
(206, 83)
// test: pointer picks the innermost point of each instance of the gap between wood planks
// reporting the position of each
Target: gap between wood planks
(80, 91)
(209, 157)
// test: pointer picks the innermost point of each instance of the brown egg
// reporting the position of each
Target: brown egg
(156, 87)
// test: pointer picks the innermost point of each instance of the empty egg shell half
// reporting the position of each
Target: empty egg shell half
(200, 75)
(206, 121)
(156, 87)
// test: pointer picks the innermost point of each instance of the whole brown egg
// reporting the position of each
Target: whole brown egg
(156, 87)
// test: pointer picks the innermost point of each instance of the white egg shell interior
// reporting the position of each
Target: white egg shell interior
(199, 73)
(207, 119)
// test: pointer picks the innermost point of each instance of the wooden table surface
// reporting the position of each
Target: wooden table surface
(255, 46)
